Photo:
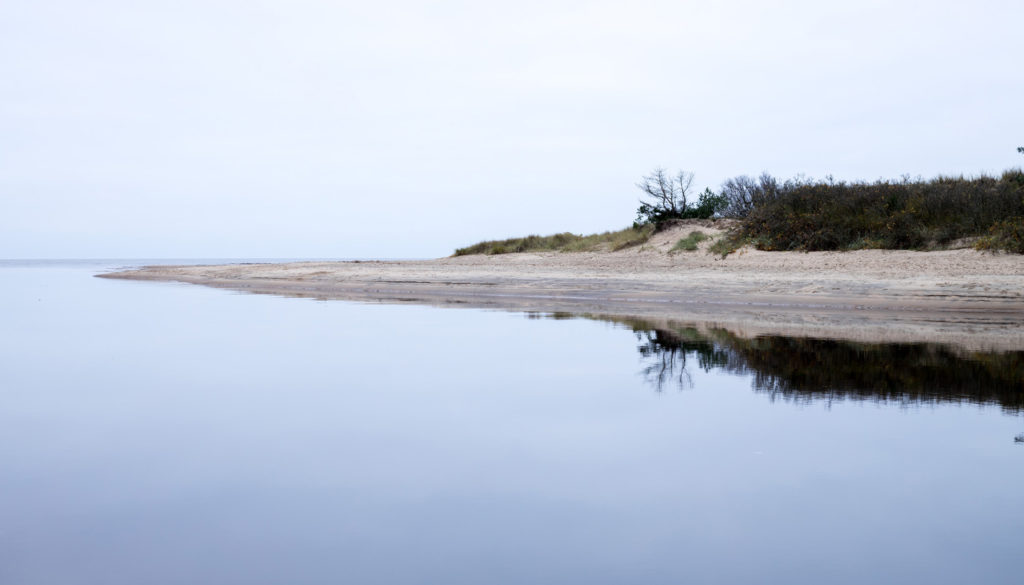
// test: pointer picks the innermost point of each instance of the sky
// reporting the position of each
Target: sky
(398, 129)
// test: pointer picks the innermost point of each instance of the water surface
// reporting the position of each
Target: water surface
(164, 433)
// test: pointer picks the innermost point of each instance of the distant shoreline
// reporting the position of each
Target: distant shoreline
(963, 297)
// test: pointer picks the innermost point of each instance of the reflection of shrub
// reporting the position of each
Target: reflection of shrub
(1005, 235)
(808, 369)
(690, 242)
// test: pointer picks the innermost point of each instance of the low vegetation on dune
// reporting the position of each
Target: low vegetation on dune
(690, 242)
(908, 215)
(564, 242)
(1007, 235)
(807, 215)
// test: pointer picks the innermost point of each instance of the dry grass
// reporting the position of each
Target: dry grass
(564, 242)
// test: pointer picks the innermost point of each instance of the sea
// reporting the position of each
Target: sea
(162, 433)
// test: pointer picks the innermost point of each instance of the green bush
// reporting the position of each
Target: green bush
(690, 242)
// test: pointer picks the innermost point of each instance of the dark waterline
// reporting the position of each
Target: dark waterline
(166, 433)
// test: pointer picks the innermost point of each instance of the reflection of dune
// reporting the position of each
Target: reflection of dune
(811, 369)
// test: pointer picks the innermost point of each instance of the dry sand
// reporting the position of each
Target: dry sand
(963, 297)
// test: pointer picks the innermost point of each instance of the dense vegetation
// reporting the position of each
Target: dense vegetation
(806, 215)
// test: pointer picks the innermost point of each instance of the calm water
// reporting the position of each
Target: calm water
(161, 433)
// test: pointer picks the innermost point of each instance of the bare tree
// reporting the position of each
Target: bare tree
(739, 194)
(742, 194)
(668, 194)
(665, 360)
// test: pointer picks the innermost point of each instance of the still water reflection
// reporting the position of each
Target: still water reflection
(160, 433)
(808, 369)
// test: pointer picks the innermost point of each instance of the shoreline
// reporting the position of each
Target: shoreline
(966, 298)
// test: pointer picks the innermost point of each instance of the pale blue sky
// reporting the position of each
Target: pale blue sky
(309, 128)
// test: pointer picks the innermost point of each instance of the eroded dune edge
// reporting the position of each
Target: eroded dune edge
(970, 299)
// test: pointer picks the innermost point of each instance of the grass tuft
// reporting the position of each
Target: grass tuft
(728, 243)
(690, 242)
(564, 242)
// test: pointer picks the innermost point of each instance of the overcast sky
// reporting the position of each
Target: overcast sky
(315, 128)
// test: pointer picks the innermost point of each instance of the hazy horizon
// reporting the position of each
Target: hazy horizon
(316, 129)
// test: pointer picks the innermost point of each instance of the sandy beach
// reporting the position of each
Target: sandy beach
(963, 297)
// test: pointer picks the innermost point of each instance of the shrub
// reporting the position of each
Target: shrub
(1005, 235)
(708, 205)
(801, 215)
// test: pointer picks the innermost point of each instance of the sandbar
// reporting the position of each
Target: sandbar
(962, 297)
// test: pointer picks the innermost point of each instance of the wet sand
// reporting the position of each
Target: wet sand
(967, 298)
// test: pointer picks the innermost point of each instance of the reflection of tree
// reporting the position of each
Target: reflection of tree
(807, 369)
(665, 356)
